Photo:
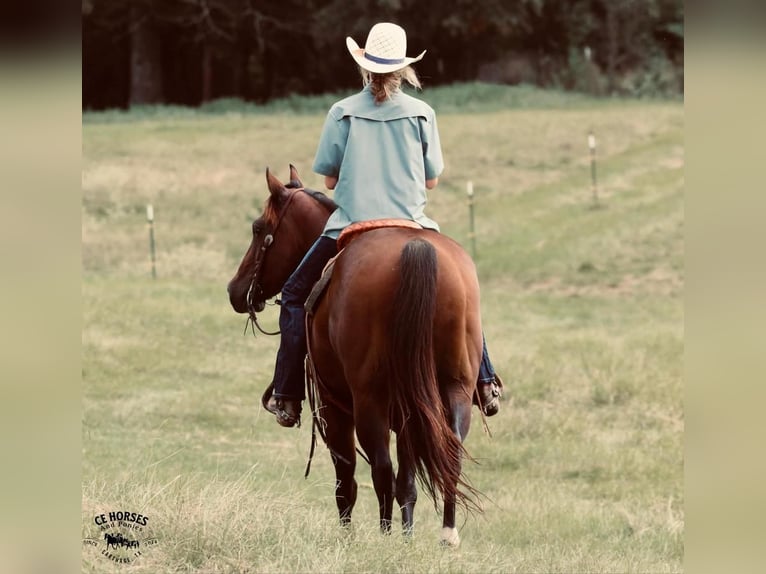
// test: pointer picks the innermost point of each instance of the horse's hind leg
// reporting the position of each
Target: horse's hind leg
(340, 440)
(374, 434)
(406, 490)
(460, 422)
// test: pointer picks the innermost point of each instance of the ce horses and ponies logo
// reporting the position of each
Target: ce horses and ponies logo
(122, 536)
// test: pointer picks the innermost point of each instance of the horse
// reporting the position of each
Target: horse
(113, 541)
(395, 342)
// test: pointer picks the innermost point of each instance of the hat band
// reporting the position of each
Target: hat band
(377, 60)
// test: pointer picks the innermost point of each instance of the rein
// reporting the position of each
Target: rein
(255, 286)
(260, 256)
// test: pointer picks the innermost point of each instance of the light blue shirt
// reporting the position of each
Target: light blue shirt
(382, 156)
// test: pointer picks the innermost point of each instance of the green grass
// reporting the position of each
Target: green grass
(458, 98)
(582, 309)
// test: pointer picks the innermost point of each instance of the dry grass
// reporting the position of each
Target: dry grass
(583, 314)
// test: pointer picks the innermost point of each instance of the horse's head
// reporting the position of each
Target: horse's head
(290, 223)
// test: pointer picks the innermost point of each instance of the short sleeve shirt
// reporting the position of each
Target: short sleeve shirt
(382, 156)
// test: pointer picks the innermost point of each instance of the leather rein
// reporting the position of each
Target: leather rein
(255, 288)
(260, 256)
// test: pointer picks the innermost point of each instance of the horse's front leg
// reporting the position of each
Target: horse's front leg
(340, 441)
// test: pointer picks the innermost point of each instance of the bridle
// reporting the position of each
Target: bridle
(260, 255)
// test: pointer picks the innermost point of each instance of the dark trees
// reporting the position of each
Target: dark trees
(192, 51)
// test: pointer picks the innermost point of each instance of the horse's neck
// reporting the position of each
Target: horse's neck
(312, 223)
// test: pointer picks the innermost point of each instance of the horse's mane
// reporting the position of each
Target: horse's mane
(323, 200)
(271, 208)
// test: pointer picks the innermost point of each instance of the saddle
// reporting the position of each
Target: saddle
(344, 240)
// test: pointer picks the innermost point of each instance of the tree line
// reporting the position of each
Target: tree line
(192, 51)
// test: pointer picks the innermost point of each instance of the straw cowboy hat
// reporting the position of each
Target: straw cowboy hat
(385, 49)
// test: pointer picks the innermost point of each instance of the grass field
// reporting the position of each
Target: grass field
(582, 309)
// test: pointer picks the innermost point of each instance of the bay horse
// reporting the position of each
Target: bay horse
(396, 342)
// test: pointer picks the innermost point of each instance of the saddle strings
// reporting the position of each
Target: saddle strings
(481, 412)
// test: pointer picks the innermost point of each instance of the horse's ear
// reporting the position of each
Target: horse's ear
(276, 188)
(294, 177)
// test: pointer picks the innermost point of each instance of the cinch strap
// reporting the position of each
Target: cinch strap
(383, 60)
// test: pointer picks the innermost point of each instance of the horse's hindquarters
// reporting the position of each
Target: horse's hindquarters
(364, 334)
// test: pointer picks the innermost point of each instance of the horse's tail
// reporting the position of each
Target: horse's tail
(418, 413)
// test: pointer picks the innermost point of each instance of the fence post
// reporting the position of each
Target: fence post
(150, 220)
(471, 225)
(594, 183)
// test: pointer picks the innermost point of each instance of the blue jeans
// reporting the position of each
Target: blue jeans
(486, 370)
(289, 371)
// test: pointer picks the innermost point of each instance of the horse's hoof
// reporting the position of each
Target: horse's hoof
(450, 538)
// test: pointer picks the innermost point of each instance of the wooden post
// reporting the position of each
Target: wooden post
(150, 220)
(471, 225)
(594, 183)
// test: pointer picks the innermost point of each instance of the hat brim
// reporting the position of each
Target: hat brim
(377, 68)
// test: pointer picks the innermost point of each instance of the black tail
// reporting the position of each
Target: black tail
(418, 413)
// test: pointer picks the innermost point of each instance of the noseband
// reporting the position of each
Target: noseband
(255, 285)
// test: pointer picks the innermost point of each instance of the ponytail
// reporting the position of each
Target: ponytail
(384, 86)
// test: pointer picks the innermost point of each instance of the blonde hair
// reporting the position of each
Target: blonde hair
(384, 86)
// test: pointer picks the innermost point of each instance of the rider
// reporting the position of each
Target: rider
(379, 150)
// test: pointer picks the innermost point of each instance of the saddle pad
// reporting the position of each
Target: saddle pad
(355, 229)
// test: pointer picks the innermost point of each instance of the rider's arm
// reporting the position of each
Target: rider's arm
(329, 182)
(430, 183)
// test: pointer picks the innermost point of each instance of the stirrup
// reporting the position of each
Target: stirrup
(289, 417)
(267, 399)
(487, 396)
(287, 411)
